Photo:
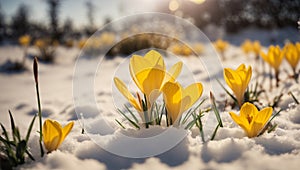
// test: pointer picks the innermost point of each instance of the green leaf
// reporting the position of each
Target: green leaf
(294, 98)
(30, 128)
(132, 122)
(201, 126)
(188, 114)
(17, 134)
(276, 114)
(215, 132)
(215, 109)
(30, 155)
(21, 148)
(4, 132)
(12, 123)
(190, 124)
(134, 117)
(120, 123)
(272, 128)
(162, 112)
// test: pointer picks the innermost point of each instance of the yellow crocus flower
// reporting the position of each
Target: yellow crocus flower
(176, 49)
(238, 80)
(149, 74)
(54, 134)
(25, 40)
(198, 48)
(221, 45)
(292, 55)
(40, 43)
(247, 46)
(179, 99)
(256, 47)
(273, 57)
(252, 120)
(82, 43)
(124, 90)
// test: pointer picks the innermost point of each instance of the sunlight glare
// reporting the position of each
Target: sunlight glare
(173, 5)
(198, 1)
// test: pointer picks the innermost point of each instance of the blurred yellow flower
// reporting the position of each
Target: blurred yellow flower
(256, 47)
(25, 40)
(238, 81)
(247, 46)
(54, 134)
(198, 47)
(252, 120)
(176, 49)
(221, 45)
(179, 99)
(292, 55)
(181, 49)
(186, 51)
(82, 43)
(273, 57)
(149, 74)
(40, 43)
(107, 38)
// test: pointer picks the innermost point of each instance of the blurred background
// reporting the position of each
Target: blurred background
(65, 19)
(46, 25)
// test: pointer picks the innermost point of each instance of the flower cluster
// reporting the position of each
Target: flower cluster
(151, 77)
(249, 46)
(275, 56)
(184, 50)
(250, 119)
(52, 134)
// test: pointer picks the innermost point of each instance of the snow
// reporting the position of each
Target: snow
(230, 149)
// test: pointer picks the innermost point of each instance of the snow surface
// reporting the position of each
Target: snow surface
(230, 149)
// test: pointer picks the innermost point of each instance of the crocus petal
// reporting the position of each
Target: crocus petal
(52, 134)
(235, 83)
(155, 58)
(264, 115)
(137, 65)
(124, 90)
(232, 78)
(241, 121)
(193, 91)
(264, 56)
(255, 129)
(173, 73)
(150, 79)
(248, 110)
(66, 130)
(178, 99)
(238, 80)
(245, 75)
(259, 121)
(140, 64)
(172, 97)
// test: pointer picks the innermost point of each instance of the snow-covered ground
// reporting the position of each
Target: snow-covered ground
(231, 149)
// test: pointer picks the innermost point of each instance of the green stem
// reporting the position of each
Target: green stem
(40, 117)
